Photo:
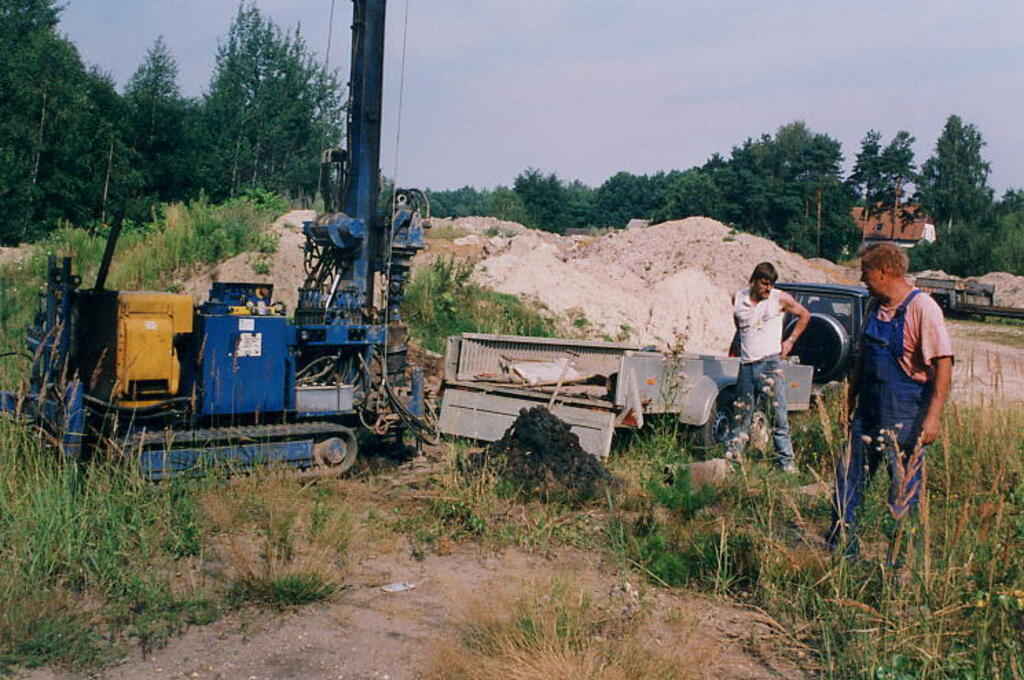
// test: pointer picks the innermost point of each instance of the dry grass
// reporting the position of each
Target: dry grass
(47, 625)
(554, 631)
(447, 232)
(277, 540)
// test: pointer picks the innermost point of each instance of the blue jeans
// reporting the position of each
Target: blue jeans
(762, 381)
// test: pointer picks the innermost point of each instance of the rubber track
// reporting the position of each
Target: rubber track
(232, 435)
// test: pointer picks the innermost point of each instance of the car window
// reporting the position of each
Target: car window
(839, 308)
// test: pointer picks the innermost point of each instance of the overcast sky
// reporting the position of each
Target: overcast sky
(586, 88)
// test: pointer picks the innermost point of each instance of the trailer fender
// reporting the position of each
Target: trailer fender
(699, 400)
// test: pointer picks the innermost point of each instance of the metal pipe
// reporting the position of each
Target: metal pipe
(108, 255)
(416, 393)
(366, 85)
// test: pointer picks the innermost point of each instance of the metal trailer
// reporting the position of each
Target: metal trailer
(963, 298)
(618, 384)
(234, 380)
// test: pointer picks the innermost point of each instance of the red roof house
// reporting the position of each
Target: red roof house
(909, 226)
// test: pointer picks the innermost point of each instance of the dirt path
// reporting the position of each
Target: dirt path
(369, 633)
(989, 365)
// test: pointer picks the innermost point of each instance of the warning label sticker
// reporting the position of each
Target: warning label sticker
(247, 324)
(249, 345)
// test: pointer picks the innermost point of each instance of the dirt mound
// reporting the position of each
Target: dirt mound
(474, 238)
(283, 268)
(541, 454)
(603, 301)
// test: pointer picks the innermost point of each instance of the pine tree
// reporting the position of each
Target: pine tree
(897, 166)
(789, 188)
(157, 129)
(544, 197)
(866, 177)
(954, 181)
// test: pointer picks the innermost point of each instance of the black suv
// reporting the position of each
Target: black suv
(830, 341)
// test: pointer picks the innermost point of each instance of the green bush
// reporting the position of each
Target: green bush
(679, 496)
(442, 300)
(285, 590)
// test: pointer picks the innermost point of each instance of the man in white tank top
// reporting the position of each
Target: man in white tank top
(758, 312)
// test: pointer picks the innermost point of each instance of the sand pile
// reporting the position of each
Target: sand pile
(667, 285)
(726, 257)
(285, 264)
(1009, 288)
(481, 226)
(470, 238)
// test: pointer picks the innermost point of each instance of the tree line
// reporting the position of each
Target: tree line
(790, 187)
(74, 149)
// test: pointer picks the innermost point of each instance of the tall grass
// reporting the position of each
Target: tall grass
(955, 611)
(86, 551)
(442, 300)
(95, 556)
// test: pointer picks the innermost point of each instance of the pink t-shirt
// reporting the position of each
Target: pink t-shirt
(925, 337)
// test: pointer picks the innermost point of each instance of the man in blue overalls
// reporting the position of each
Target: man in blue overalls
(899, 387)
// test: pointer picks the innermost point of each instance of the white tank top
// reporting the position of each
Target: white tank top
(760, 324)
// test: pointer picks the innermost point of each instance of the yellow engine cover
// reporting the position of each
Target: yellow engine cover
(148, 370)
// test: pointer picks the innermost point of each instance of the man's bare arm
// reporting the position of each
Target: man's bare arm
(940, 391)
(803, 317)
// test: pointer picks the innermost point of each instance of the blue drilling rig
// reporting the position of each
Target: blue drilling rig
(234, 380)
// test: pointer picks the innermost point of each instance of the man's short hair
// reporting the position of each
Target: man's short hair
(765, 270)
(879, 256)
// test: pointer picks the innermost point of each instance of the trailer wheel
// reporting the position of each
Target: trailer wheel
(720, 423)
(336, 455)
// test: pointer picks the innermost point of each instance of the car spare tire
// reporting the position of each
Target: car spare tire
(825, 345)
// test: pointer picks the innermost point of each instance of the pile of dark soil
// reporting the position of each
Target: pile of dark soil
(542, 456)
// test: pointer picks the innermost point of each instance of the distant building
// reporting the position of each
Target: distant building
(909, 227)
(637, 223)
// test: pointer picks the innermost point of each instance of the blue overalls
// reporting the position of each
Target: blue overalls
(890, 412)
